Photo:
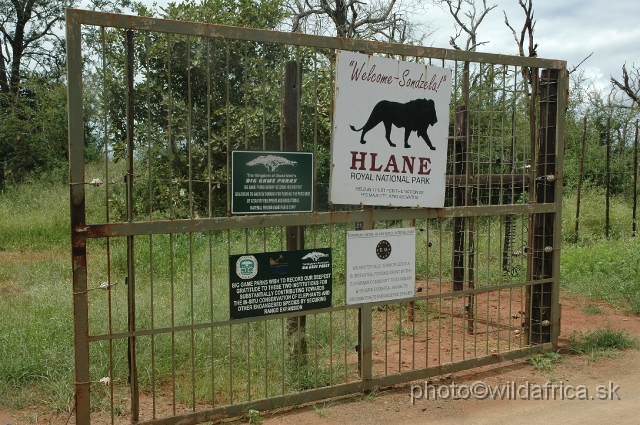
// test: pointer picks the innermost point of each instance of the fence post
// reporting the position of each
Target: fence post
(635, 180)
(543, 223)
(584, 138)
(608, 179)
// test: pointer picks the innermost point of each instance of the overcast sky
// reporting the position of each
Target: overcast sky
(566, 29)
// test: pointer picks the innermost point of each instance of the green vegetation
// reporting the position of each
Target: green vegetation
(592, 310)
(602, 342)
(254, 417)
(35, 277)
(322, 411)
(36, 325)
(544, 361)
(593, 345)
(608, 270)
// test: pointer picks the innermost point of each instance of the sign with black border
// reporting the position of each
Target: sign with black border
(271, 182)
(279, 282)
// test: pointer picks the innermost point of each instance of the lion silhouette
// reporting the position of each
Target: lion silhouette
(416, 115)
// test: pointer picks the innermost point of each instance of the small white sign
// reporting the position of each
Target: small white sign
(380, 265)
(390, 134)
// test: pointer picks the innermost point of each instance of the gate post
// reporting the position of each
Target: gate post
(545, 261)
(78, 221)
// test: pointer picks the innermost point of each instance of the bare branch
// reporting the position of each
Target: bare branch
(6, 34)
(378, 19)
(43, 33)
(628, 84)
(575, 68)
(515, 36)
(475, 19)
(26, 25)
(302, 14)
(528, 28)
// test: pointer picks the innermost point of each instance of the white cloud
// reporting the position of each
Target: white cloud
(566, 29)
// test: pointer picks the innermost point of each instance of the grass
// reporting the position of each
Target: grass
(322, 411)
(593, 345)
(254, 417)
(177, 287)
(600, 268)
(35, 216)
(592, 310)
(544, 361)
(36, 325)
(602, 342)
(607, 271)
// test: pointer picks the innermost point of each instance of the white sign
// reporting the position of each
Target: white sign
(380, 265)
(390, 134)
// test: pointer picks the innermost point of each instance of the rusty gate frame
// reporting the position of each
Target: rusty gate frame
(81, 231)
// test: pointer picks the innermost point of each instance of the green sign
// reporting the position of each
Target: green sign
(279, 282)
(271, 182)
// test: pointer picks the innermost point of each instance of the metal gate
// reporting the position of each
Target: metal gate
(152, 230)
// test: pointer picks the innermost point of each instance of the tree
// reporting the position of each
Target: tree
(33, 130)
(27, 35)
(195, 98)
(388, 21)
(32, 91)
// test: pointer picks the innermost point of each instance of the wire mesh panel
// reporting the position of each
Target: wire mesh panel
(153, 230)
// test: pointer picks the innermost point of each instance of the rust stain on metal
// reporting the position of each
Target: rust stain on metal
(79, 258)
(98, 230)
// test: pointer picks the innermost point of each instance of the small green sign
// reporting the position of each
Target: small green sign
(266, 182)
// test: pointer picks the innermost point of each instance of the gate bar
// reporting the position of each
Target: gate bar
(311, 219)
(302, 397)
(88, 17)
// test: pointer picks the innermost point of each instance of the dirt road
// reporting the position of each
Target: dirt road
(574, 373)
(394, 405)
(574, 377)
